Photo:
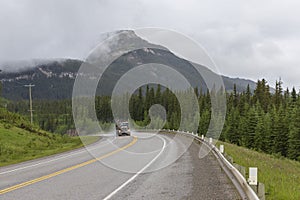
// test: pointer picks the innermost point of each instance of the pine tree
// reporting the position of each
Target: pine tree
(259, 139)
(262, 94)
(235, 96)
(140, 105)
(232, 133)
(294, 134)
(248, 95)
(279, 132)
(249, 132)
(147, 99)
(158, 94)
(267, 144)
(277, 98)
(204, 122)
(294, 95)
(286, 98)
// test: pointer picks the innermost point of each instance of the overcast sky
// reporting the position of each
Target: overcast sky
(248, 39)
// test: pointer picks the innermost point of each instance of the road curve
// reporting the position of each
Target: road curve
(121, 168)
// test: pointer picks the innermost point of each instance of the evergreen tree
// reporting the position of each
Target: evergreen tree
(158, 94)
(140, 105)
(232, 133)
(278, 94)
(260, 135)
(248, 95)
(279, 132)
(294, 95)
(294, 134)
(249, 129)
(204, 122)
(235, 96)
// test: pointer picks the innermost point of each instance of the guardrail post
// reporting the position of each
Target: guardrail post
(222, 148)
(261, 191)
(252, 176)
(258, 188)
(210, 140)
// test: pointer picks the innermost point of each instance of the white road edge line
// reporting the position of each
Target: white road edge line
(138, 173)
(56, 159)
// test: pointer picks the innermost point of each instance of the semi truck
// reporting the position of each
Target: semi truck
(122, 128)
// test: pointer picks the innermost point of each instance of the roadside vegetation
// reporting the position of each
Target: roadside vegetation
(20, 141)
(266, 120)
(280, 175)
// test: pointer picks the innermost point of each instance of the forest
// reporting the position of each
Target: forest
(261, 120)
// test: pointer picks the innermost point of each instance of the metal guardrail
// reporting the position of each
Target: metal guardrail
(239, 181)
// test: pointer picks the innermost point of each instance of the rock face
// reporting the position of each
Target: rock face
(54, 79)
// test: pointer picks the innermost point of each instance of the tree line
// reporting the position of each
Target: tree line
(265, 121)
(262, 120)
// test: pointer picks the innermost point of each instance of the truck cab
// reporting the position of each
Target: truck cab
(122, 128)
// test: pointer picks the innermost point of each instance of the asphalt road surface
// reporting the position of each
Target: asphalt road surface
(142, 166)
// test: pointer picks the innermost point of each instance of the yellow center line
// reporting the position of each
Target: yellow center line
(27, 183)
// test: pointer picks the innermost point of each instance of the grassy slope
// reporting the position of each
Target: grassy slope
(281, 176)
(17, 145)
(21, 141)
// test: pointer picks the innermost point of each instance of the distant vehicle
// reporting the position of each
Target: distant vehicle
(122, 128)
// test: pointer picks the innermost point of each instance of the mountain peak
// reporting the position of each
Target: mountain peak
(54, 79)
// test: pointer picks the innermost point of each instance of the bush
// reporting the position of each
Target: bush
(7, 126)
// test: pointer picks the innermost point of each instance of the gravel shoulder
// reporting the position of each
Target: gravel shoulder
(187, 178)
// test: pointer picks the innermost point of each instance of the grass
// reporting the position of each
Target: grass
(281, 176)
(18, 145)
(86, 140)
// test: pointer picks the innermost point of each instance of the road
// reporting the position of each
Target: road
(142, 166)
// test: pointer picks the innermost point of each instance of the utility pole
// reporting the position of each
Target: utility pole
(30, 102)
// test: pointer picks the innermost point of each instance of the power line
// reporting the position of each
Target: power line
(30, 102)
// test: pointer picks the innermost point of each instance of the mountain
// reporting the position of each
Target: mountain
(53, 79)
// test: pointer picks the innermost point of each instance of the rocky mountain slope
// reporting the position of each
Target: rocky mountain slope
(54, 79)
